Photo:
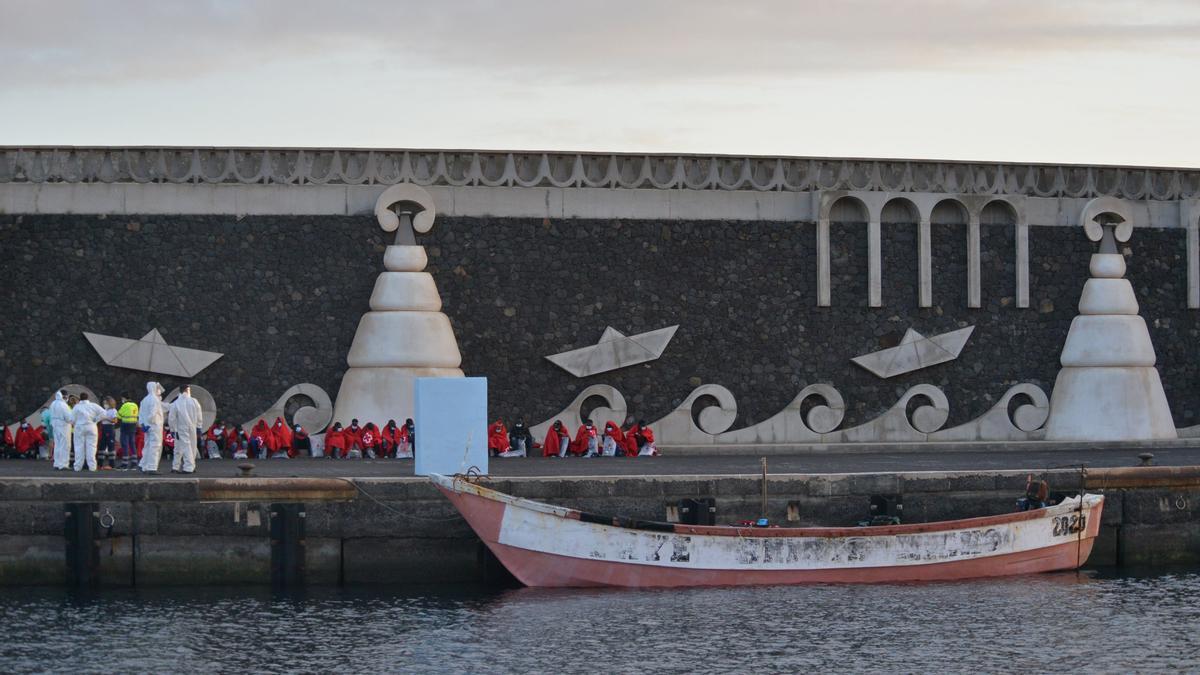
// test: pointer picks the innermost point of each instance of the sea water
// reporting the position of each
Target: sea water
(1093, 621)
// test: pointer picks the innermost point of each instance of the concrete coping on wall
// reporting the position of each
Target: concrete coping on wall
(768, 450)
(566, 488)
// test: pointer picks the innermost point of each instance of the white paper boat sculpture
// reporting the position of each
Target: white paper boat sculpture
(152, 354)
(615, 350)
(915, 352)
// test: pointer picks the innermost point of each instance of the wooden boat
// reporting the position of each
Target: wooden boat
(545, 545)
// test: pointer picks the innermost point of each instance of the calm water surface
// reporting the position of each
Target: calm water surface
(1039, 624)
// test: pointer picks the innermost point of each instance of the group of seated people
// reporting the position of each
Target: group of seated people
(636, 440)
(351, 442)
(395, 441)
(24, 441)
(227, 440)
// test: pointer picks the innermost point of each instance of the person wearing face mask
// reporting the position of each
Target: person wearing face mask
(150, 417)
(185, 416)
(60, 419)
(335, 442)
(215, 440)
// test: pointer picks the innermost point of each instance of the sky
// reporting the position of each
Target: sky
(1062, 81)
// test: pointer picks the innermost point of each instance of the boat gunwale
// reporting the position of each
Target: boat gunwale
(457, 484)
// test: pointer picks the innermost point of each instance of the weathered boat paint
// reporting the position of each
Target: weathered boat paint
(545, 545)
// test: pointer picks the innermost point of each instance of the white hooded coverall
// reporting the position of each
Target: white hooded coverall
(150, 415)
(60, 419)
(85, 416)
(184, 416)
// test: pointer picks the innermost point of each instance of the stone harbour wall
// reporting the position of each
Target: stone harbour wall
(401, 530)
(281, 296)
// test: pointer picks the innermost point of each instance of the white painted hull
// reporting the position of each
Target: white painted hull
(545, 545)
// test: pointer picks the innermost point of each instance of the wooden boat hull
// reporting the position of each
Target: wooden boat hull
(550, 546)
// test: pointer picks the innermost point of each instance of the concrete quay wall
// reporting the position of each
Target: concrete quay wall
(401, 530)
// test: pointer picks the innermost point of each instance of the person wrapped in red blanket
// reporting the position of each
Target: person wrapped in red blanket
(335, 442)
(262, 441)
(558, 440)
(497, 441)
(587, 441)
(283, 439)
(614, 439)
(353, 436)
(372, 440)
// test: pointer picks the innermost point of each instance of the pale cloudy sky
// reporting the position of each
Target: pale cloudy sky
(1090, 81)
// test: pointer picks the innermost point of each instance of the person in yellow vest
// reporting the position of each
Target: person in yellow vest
(127, 416)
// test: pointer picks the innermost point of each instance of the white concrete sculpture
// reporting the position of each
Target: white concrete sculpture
(1018, 416)
(709, 410)
(1108, 388)
(793, 424)
(915, 352)
(405, 335)
(614, 350)
(614, 410)
(151, 353)
(898, 423)
(313, 419)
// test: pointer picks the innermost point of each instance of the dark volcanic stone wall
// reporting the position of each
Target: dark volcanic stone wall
(281, 297)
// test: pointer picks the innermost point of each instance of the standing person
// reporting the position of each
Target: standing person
(185, 418)
(557, 440)
(60, 420)
(48, 428)
(586, 442)
(84, 417)
(127, 417)
(519, 439)
(150, 417)
(107, 449)
(497, 438)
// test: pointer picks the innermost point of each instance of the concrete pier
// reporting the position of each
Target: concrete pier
(400, 530)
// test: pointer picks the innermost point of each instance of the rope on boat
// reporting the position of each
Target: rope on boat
(402, 514)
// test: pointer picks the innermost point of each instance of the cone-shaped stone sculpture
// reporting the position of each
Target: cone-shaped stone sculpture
(405, 335)
(1108, 388)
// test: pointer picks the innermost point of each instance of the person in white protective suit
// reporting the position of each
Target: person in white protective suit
(84, 416)
(60, 420)
(184, 417)
(150, 417)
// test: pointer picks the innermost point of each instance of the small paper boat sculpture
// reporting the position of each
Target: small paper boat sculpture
(547, 545)
(152, 354)
(915, 352)
(615, 350)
